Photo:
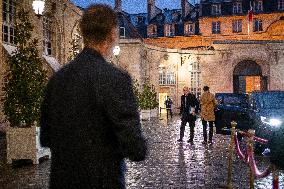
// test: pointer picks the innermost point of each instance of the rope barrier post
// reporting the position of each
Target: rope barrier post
(250, 144)
(275, 175)
(230, 158)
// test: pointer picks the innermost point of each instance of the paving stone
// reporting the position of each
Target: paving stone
(169, 164)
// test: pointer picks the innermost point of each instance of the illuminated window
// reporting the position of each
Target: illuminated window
(169, 30)
(189, 29)
(237, 8)
(216, 27)
(8, 15)
(167, 78)
(280, 4)
(257, 25)
(47, 35)
(195, 82)
(237, 26)
(216, 9)
(257, 6)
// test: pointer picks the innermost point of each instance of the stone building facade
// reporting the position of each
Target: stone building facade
(55, 30)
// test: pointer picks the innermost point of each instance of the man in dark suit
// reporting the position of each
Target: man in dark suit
(89, 116)
(169, 104)
(188, 110)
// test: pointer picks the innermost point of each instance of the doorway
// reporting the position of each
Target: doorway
(162, 99)
(247, 77)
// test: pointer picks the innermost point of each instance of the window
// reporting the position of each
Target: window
(280, 4)
(216, 9)
(257, 25)
(8, 15)
(216, 27)
(167, 78)
(237, 8)
(257, 6)
(140, 19)
(152, 31)
(169, 30)
(237, 26)
(189, 29)
(195, 82)
(122, 32)
(47, 35)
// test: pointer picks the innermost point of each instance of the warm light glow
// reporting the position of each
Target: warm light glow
(116, 50)
(38, 6)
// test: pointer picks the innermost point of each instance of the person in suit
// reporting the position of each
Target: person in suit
(188, 110)
(89, 115)
(208, 104)
(169, 104)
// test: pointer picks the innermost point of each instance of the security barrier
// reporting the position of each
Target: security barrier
(248, 158)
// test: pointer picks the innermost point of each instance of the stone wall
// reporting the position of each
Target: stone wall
(64, 17)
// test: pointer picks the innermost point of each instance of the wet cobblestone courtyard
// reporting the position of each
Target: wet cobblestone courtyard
(169, 165)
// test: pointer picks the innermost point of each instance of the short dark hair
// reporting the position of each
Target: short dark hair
(97, 22)
(205, 88)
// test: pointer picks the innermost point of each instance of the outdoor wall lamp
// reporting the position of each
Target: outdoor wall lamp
(38, 6)
(183, 58)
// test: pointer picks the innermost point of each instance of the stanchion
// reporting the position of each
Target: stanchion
(250, 144)
(230, 158)
(275, 175)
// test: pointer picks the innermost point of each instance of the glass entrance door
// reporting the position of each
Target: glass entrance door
(162, 99)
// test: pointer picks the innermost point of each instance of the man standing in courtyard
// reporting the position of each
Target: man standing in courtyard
(89, 115)
(188, 110)
(169, 104)
(208, 104)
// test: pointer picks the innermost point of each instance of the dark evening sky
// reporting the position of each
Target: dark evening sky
(134, 6)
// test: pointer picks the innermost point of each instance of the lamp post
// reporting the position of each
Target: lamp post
(38, 6)
(116, 51)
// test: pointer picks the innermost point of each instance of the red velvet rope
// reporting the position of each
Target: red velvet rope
(249, 158)
(253, 165)
(257, 139)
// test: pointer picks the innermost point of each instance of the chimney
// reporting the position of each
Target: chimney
(151, 9)
(183, 8)
(118, 7)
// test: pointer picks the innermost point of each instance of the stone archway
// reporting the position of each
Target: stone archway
(247, 77)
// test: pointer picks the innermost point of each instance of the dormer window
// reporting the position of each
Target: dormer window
(237, 8)
(122, 32)
(216, 9)
(258, 6)
(169, 30)
(280, 4)
(189, 29)
(140, 19)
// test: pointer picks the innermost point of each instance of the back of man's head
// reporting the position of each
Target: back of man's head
(97, 23)
(205, 88)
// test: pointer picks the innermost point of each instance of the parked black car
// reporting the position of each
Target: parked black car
(232, 107)
(261, 111)
(267, 113)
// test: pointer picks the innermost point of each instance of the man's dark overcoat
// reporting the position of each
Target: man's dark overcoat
(188, 101)
(89, 120)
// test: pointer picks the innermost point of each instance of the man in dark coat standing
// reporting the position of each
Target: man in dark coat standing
(188, 110)
(89, 115)
(169, 104)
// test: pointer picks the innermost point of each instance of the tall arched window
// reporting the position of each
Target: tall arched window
(8, 15)
(47, 36)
